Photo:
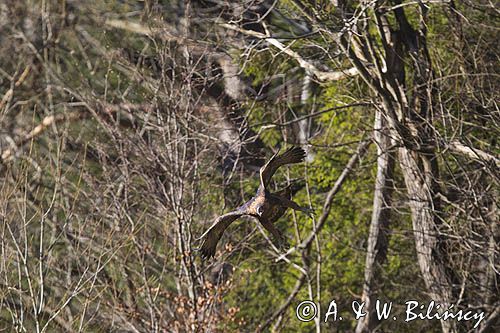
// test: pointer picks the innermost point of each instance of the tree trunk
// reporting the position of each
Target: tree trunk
(378, 237)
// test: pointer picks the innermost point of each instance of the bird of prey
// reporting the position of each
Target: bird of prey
(267, 207)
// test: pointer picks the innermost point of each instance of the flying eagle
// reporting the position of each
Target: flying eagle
(267, 207)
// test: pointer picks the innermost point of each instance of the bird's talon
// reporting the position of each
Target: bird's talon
(265, 206)
(308, 211)
(282, 244)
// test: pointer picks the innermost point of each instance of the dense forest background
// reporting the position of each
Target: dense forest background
(126, 127)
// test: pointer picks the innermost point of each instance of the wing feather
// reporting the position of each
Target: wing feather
(212, 236)
(291, 156)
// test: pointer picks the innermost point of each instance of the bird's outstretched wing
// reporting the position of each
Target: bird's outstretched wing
(291, 156)
(291, 189)
(214, 233)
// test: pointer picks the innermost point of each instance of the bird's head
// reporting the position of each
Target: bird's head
(260, 210)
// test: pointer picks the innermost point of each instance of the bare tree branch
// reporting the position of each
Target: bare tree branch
(310, 68)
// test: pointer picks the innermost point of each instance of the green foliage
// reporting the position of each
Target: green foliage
(115, 210)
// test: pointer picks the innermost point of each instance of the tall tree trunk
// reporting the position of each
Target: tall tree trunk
(424, 205)
(406, 98)
(378, 237)
(420, 168)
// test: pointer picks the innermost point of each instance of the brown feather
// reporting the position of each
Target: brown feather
(264, 206)
(212, 236)
(291, 156)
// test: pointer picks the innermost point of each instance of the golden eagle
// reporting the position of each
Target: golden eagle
(267, 207)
